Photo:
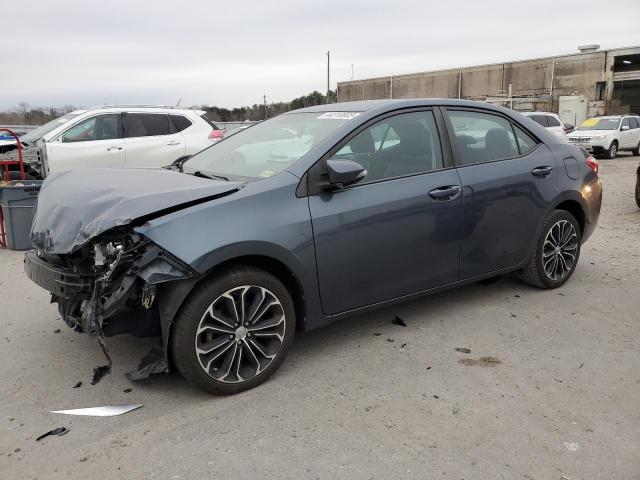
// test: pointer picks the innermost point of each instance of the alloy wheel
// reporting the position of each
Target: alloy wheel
(559, 250)
(240, 334)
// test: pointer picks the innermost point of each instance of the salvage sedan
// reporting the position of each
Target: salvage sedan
(305, 219)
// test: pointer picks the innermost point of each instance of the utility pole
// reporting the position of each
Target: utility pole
(264, 97)
(352, 71)
(328, 84)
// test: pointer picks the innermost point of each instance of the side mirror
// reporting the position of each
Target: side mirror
(624, 127)
(343, 173)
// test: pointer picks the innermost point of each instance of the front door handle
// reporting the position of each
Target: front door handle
(113, 148)
(174, 142)
(445, 193)
(541, 171)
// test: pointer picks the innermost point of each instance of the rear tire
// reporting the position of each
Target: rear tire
(556, 252)
(613, 151)
(636, 151)
(234, 330)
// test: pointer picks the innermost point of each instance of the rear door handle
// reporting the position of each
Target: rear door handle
(174, 142)
(113, 148)
(445, 193)
(541, 171)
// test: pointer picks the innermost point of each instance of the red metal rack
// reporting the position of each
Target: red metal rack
(4, 166)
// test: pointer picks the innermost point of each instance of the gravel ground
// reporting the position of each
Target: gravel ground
(550, 389)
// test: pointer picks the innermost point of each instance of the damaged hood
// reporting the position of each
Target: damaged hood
(76, 205)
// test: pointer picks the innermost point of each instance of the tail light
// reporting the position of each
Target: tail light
(216, 135)
(592, 163)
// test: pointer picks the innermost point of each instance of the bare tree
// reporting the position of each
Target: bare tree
(23, 110)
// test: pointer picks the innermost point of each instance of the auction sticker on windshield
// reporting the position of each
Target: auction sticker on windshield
(339, 115)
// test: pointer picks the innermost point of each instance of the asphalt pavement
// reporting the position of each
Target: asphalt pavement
(550, 388)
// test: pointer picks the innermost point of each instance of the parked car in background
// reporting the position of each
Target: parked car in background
(638, 186)
(129, 135)
(8, 141)
(550, 121)
(226, 129)
(608, 135)
(307, 218)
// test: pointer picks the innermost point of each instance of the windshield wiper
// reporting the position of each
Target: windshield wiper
(210, 176)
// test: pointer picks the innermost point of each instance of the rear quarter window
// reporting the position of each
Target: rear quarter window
(180, 122)
(525, 142)
(540, 119)
(211, 124)
(553, 121)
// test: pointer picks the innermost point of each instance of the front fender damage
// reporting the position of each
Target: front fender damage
(124, 272)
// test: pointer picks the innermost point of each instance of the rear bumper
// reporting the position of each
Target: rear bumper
(60, 281)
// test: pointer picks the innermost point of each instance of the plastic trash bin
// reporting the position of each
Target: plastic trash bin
(17, 200)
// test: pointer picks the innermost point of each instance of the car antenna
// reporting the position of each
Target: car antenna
(178, 104)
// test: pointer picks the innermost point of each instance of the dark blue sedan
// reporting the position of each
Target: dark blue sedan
(306, 218)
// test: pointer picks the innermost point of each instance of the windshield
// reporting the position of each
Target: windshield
(600, 124)
(42, 130)
(268, 147)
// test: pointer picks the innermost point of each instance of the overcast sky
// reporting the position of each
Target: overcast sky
(230, 53)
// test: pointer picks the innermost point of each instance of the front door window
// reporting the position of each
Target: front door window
(101, 127)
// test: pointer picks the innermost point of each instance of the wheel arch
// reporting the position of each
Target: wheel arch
(172, 295)
(171, 298)
(574, 208)
(568, 201)
(278, 269)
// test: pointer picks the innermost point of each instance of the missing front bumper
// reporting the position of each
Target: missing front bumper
(60, 281)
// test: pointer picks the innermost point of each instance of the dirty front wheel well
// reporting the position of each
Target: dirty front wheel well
(574, 209)
(281, 272)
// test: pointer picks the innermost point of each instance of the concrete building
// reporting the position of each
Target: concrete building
(591, 82)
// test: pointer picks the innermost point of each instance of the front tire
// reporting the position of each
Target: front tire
(556, 252)
(613, 151)
(234, 330)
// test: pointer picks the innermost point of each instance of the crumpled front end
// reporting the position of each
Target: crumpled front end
(109, 286)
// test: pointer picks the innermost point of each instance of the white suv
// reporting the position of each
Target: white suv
(116, 135)
(550, 121)
(608, 135)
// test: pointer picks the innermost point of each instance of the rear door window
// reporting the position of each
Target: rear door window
(482, 137)
(146, 124)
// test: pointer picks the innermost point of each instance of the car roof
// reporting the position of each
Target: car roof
(539, 113)
(392, 104)
(144, 108)
(616, 117)
(369, 110)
